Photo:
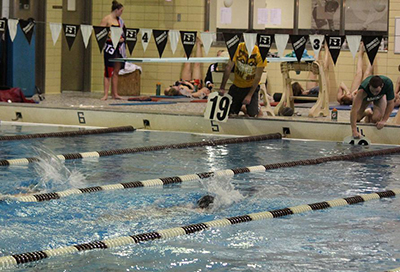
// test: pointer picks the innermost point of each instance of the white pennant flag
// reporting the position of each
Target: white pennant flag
(146, 36)
(353, 41)
(316, 44)
(281, 41)
(55, 29)
(86, 33)
(116, 33)
(207, 38)
(250, 40)
(173, 39)
(12, 28)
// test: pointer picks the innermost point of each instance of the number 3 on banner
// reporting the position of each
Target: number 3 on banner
(218, 107)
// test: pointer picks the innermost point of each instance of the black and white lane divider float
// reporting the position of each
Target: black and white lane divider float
(16, 259)
(195, 177)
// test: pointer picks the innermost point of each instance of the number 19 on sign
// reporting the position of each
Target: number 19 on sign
(218, 107)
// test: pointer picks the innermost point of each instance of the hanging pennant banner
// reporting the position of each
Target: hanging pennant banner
(299, 44)
(86, 31)
(55, 29)
(250, 41)
(116, 33)
(173, 39)
(146, 36)
(27, 27)
(207, 38)
(264, 44)
(3, 24)
(371, 44)
(12, 28)
(316, 43)
(161, 38)
(101, 34)
(353, 41)
(335, 44)
(232, 41)
(70, 32)
(281, 41)
(188, 39)
(131, 38)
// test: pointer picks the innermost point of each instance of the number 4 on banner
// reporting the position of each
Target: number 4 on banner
(218, 107)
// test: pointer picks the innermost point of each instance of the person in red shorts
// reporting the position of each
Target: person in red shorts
(112, 68)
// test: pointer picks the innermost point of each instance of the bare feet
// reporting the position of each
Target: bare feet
(117, 97)
(104, 98)
(362, 50)
(368, 115)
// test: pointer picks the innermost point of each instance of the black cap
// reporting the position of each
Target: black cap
(205, 201)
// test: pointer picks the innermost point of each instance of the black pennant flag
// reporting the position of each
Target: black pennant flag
(70, 31)
(232, 41)
(161, 38)
(371, 44)
(188, 39)
(131, 38)
(264, 44)
(27, 27)
(334, 44)
(299, 44)
(3, 25)
(101, 33)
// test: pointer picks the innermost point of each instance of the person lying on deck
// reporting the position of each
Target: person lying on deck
(191, 84)
(345, 96)
(312, 88)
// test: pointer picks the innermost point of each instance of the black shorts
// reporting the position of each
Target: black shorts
(110, 53)
(238, 95)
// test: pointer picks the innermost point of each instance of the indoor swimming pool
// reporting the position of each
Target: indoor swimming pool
(359, 237)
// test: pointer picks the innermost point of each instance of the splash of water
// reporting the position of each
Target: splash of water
(223, 190)
(52, 173)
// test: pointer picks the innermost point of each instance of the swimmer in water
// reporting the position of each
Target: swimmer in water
(202, 205)
(205, 201)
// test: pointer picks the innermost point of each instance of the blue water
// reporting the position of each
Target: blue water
(361, 237)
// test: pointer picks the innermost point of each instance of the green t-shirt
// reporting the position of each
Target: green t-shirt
(386, 90)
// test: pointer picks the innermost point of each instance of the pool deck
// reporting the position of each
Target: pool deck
(86, 109)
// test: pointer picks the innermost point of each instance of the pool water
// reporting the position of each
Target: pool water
(361, 237)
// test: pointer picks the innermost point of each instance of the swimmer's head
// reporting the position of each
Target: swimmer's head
(205, 201)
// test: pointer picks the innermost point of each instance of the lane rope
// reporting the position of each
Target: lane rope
(192, 177)
(16, 259)
(67, 133)
(96, 154)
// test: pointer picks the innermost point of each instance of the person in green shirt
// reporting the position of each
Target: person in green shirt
(376, 90)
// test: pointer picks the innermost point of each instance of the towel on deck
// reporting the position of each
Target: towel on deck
(14, 95)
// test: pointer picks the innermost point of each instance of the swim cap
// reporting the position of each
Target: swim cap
(205, 201)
